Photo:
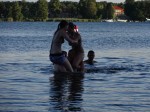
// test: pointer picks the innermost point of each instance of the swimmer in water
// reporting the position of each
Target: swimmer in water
(90, 60)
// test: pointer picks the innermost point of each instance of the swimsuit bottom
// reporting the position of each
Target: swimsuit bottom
(57, 58)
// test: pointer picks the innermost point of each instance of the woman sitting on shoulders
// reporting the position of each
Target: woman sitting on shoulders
(56, 55)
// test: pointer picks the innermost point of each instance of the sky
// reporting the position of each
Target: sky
(114, 1)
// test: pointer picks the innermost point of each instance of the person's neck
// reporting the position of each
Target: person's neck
(72, 33)
(90, 62)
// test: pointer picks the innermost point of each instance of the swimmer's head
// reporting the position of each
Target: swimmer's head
(91, 54)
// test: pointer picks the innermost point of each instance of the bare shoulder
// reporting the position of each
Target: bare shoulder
(63, 32)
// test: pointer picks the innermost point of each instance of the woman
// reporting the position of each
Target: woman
(56, 54)
(76, 54)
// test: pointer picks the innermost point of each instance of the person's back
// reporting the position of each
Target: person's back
(57, 42)
(90, 60)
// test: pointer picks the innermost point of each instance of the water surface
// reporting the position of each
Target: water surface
(118, 82)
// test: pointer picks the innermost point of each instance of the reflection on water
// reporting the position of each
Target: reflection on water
(66, 93)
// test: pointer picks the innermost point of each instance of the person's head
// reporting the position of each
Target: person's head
(72, 27)
(91, 55)
(61, 25)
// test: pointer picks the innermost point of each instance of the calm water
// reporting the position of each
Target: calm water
(119, 82)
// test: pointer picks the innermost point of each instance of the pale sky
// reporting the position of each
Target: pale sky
(114, 1)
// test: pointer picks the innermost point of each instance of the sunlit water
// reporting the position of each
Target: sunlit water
(118, 82)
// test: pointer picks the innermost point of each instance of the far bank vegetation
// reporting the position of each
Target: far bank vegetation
(84, 10)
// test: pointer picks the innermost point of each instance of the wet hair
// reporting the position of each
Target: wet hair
(71, 25)
(91, 52)
(61, 25)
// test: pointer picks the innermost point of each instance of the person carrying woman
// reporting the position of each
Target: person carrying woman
(76, 54)
(56, 55)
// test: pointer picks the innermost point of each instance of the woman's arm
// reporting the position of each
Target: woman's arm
(66, 37)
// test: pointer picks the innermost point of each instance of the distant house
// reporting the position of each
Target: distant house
(118, 10)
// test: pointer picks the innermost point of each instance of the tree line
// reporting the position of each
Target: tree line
(90, 9)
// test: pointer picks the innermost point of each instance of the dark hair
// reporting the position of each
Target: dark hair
(91, 51)
(71, 25)
(62, 24)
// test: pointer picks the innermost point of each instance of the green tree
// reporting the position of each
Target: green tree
(32, 10)
(108, 12)
(143, 6)
(129, 1)
(25, 9)
(72, 10)
(10, 12)
(87, 8)
(136, 11)
(15, 12)
(54, 8)
(140, 16)
(82, 8)
(2, 9)
(91, 9)
(100, 7)
(42, 10)
(129, 8)
(147, 9)
(69, 9)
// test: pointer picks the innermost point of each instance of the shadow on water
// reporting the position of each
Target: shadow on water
(66, 93)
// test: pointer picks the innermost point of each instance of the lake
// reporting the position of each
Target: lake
(118, 82)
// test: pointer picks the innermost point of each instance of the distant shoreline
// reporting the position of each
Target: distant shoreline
(69, 20)
(53, 20)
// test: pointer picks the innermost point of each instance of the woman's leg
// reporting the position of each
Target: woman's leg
(59, 68)
(77, 60)
(82, 67)
(68, 66)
